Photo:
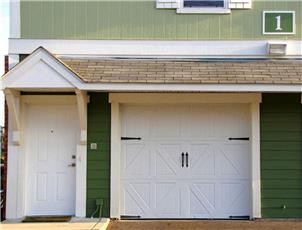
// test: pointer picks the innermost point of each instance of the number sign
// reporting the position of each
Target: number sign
(279, 22)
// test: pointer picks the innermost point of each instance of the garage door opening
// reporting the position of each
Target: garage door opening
(186, 161)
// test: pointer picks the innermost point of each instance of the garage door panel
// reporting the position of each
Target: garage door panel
(168, 199)
(136, 159)
(231, 120)
(137, 198)
(234, 161)
(199, 122)
(202, 200)
(135, 121)
(235, 198)
(201, 160)
(168, 159)
(166, 123)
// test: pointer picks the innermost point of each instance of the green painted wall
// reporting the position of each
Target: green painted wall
(139, 19)
(281, 155)
(98, 161)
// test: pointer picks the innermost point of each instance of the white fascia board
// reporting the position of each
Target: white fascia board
(157, 49)
(15, 19)
(122, 87)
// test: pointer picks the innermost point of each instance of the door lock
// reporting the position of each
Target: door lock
(72, 165)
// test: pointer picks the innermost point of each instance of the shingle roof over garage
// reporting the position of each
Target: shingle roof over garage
(175, 71)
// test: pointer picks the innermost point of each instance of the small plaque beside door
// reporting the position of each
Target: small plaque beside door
(93, 146)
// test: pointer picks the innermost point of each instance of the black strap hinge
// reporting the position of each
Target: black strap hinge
(239, 138)
(130, 138)
(128, 217)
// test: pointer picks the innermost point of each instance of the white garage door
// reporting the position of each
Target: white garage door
(185, 165)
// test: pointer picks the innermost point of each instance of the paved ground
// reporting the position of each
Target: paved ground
(205, 225)
(73, 225)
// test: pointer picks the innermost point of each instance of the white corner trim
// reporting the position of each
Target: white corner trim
(181, 98)
(156, 49)
(115, 186)
(15, 19)
(255, 150)
(81, 178)
(279, 33)
(82, 111)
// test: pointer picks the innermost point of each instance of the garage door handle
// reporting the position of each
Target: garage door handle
(182, 159)
(187, 160)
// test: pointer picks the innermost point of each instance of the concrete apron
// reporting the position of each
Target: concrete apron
(74, 224)
(206, 225)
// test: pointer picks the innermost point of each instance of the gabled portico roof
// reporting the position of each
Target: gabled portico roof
(41, 70)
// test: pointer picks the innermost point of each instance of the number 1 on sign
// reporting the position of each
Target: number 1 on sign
(278, 18)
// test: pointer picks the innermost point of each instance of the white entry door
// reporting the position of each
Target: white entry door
(185, 165)
(51, 134)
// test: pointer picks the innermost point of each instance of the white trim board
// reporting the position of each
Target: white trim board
(149, 48)
(15, 19)
(115, 87)
(118, 99)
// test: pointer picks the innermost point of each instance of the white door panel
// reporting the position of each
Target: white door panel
(216, 182)
(51, 136)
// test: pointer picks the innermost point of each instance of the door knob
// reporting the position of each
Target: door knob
(182, 159)
(72, 165)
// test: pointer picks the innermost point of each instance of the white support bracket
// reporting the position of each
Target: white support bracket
(13, 103)
(82, 100)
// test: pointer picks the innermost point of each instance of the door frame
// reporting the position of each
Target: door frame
(17, 162)
(117, 99)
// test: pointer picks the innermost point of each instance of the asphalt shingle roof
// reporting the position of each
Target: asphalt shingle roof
(195, 72)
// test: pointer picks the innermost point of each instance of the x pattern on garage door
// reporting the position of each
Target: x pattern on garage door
(160, 181)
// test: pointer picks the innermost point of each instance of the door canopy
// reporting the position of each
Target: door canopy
(41, 70)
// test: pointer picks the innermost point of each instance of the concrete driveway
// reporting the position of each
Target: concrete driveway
(205, 225)
(85, 224)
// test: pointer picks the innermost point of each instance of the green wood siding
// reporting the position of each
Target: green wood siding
(98, 161)
(281, 155)
(139, 19)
